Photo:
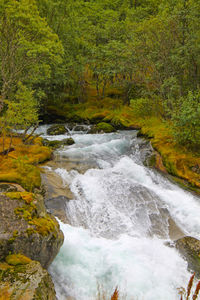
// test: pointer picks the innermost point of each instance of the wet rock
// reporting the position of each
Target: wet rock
(56, 144)
(25, 281)
(147, 154)
(29, 230)
(80, 128)
(57, 207)
(102, 128)
(67, 142)
(189, 248)
(56, 129)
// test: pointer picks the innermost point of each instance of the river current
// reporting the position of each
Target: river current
(119, 221)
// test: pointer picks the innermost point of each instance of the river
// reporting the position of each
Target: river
(120, 219)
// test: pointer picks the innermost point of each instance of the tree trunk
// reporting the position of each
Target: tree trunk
(104, 88)
(97, 86)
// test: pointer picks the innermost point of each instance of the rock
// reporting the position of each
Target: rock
(67, 142)
(56, 129)
(102, 128)
(70, 126)
(56, 144)
(80, 128)
(53, 144)
(57, 207)
(6, 187)
(189, 248)
(146, 152)
(29, 230)
(25, 281)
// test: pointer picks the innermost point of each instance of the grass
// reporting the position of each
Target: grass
(188, 294)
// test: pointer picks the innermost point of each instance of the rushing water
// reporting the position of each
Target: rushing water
(119, 231)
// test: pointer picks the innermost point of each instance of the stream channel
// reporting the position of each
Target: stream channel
(119, 220)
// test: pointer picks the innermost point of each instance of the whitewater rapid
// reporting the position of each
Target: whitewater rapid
(119, 231)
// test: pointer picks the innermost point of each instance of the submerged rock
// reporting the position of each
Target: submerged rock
(102, 128)
(26, 228)
(189, 248)
(22, 278)
(56, 129)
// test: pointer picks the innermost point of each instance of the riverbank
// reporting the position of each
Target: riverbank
(30, 238)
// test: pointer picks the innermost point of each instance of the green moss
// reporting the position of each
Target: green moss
(30, 231)
(14, 195)
(27, 212)
(44, 225)
(102, 127)
(56, 130)
(17, 259)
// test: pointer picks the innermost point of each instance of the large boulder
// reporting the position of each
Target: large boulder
(102, 128)
(56, 129)
(22, 278)
(189, 248)
(26, 228)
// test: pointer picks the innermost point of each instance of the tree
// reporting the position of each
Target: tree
(28, 45)
(22, 113)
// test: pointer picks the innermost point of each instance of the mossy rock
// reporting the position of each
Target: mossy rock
(53, 144)
(68, 142)
(56, 129)
(25, 281)
(56, 144)
(102, 128)
(27, 229)
(189, 248)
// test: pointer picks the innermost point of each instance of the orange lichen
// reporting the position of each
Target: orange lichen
(26, 196)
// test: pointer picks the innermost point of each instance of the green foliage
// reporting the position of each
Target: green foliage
(186, 121)
(146, 107)
(28, 45)
(63, 50)
(23, 112)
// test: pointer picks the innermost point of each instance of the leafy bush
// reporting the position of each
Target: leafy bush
(186, 121)
(146, 107)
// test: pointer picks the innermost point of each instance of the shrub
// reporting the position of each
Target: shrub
(146, 107)
(186, 121)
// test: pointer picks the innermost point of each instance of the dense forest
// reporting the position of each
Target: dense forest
(101, 55)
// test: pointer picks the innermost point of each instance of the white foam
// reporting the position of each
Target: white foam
(142, 268)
